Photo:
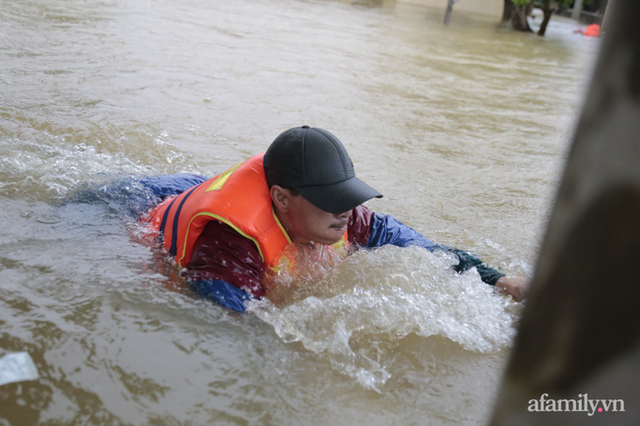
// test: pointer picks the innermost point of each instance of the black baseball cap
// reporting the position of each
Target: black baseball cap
(315, 163)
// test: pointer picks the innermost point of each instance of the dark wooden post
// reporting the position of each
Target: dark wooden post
(447, 15)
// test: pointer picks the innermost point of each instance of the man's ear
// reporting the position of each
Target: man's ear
(280, 197)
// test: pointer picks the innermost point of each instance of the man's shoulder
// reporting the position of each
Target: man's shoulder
(360, 225)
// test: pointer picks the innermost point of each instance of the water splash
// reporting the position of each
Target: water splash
(45, 166)
(357, 315)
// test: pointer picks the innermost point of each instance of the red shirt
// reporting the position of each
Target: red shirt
(221, 253)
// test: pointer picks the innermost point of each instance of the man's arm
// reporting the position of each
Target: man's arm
(515, 286)
(375, 230)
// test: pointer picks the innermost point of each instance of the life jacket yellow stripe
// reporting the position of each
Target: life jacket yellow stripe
(281, 227)
(217, 184)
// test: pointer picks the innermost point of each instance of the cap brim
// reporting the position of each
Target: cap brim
(339, 197)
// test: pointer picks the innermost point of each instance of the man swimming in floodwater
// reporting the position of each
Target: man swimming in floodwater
(231, 233)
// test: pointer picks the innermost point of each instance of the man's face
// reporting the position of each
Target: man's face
(309, 223)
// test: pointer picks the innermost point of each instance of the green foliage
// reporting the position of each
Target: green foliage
(520, 2)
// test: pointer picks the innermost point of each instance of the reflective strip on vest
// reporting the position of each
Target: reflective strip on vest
(238, 197)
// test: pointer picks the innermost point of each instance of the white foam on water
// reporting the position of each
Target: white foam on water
(45, 166)
(17, 367)
(357, 314)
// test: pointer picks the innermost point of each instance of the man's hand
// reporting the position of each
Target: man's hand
(515, 286)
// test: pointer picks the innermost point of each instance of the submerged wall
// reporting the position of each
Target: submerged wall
(479, 9)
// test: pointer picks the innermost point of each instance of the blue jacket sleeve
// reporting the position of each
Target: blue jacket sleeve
(386, 229)
(468, 261)
(134, 196)
(165, 186)
(222, 293)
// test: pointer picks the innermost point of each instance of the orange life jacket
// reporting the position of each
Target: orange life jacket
(239, 197)
(592, 30)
